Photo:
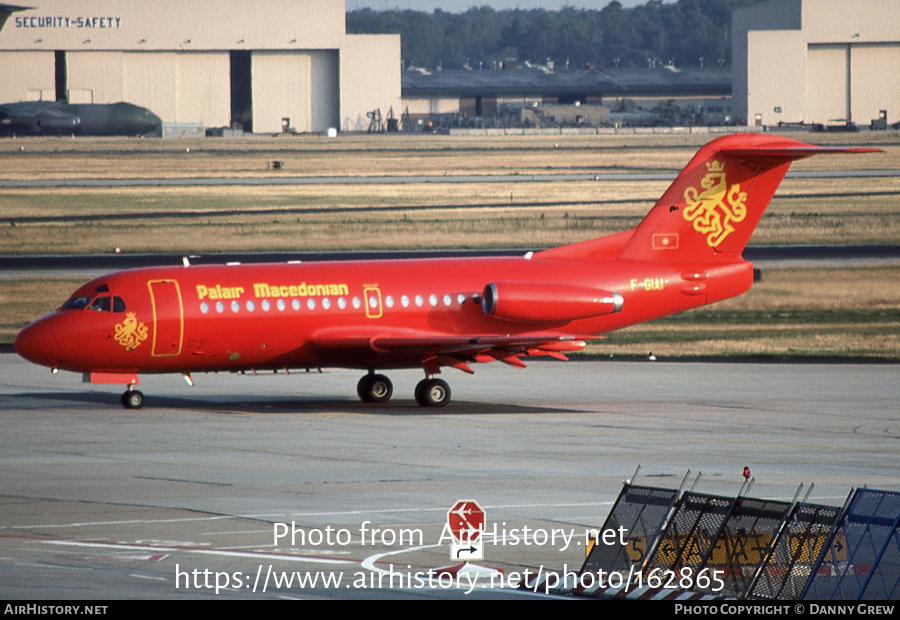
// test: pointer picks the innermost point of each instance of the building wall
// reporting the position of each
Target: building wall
(174, 57)
(433, 105)
(773, 78)
(370, 78)
(816, 61)
(171, 25)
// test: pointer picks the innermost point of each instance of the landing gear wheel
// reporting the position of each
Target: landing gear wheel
(433, 393)
(133, 399)
(375, 389)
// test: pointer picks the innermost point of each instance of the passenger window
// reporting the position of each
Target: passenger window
(118, 304)
(101, 304)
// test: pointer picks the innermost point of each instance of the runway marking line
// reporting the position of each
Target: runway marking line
(217, 552)
(369, 562)
(147, 577)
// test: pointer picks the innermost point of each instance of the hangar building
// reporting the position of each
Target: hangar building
(816, 61)
(216, 62)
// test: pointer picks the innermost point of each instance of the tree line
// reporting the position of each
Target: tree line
(689, 33)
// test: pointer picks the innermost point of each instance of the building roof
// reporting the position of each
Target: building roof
(713, 82)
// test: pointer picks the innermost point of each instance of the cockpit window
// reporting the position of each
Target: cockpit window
(101, 304)
(104, 303)
(76, 303)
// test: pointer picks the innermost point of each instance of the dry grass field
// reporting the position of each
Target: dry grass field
(847, 312)
(390, 215)
(792, 312)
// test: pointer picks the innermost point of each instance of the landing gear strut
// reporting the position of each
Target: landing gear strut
(374, 388)
(133, 399)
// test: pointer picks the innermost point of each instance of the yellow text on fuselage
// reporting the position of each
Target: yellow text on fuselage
(298, 290)
(648, 284)
(219, 292)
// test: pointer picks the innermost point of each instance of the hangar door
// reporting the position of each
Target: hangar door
(828, 83)
(874, 82)
(179, 87)
(300, 86)
(853, 82)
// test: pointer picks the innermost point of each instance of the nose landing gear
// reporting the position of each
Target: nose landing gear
(133, 399)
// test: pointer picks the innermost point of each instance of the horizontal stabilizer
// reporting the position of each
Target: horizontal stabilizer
(793, 152)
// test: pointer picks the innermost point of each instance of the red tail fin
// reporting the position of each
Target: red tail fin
(718, 199)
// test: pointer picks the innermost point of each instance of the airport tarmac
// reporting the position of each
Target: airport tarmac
(188, 493)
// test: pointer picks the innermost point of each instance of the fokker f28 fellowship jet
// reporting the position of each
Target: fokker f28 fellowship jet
(431, 314)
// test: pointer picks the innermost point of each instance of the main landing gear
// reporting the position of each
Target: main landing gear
(374, 388)
(430, 392)
(133, 399)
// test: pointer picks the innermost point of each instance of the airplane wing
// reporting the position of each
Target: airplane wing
(437, 350)
(25, 110)
(54, 114)
(8, 9)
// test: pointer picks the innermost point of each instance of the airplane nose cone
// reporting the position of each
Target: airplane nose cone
(143, 121)
(149, 123)
(36, 344)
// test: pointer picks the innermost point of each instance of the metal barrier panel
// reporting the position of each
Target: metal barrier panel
(885, 581)
(691, 533)
(786, 570)
(743, 544)
(641, 511)
(770, 550)
(853, 567)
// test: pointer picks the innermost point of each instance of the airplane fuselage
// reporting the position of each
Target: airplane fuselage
(273, 316)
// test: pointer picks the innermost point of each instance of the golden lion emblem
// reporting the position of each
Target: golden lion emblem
(129, 333)
(714, 209)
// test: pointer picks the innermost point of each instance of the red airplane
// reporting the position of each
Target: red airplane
(433, 313)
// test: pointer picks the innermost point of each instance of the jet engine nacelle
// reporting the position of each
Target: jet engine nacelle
(539, 302)
(60, 123)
